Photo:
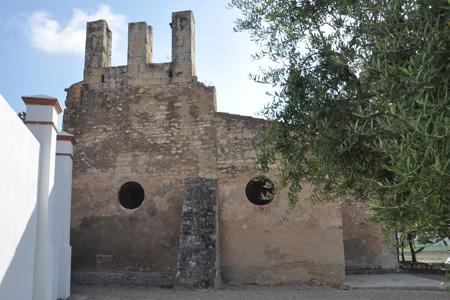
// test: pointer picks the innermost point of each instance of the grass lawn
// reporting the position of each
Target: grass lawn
(431, 254)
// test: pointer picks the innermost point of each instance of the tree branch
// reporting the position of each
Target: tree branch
(359, 94)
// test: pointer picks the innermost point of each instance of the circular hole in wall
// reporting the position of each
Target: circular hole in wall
(131, 195)
(260, 190)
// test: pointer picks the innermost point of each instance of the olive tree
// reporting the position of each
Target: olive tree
(361, 106)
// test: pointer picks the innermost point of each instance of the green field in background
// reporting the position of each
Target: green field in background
(431, 254)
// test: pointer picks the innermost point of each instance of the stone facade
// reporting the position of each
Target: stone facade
(198, 256)
(364, 246)
(160, 177)
(254, 249)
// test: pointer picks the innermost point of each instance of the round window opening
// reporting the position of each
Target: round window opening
(131, 195)
(260, 191)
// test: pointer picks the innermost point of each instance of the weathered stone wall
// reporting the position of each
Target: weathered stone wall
(149, 124)
(366, 248)
(254, 249)
(140, 70)
(198, 264)
(154, 125)
(154, 135)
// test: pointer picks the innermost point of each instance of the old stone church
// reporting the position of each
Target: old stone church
(160, 187)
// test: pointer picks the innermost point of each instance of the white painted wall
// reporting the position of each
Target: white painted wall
(63, 177)
(19, 161)
(41, 113)
(46, 258)
(35, 195)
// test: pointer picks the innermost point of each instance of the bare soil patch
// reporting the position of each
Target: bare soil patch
(303, 291)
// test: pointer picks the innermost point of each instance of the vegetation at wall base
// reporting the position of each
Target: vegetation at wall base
(22, 115)
(362, 105)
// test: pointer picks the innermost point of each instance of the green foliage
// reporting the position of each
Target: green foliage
(362, 105)
(22, 115)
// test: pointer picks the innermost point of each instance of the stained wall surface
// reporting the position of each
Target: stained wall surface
(254, 248)
(156, 136)
(366, 247)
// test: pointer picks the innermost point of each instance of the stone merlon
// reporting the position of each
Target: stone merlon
(98, 73)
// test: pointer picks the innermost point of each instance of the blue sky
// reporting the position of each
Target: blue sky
(42, 46)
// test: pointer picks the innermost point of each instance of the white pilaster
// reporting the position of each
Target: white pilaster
(41, 120)
(64, 152)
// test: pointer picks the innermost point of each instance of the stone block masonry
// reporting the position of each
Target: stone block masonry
(197, 259)
(143, 124)
(140, 70)
(98, 45)
(140, 40)
(183, 43)
(160, 179)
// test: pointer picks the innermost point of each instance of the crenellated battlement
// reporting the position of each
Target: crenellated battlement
(140, 70)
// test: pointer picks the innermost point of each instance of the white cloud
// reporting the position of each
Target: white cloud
(47, 34)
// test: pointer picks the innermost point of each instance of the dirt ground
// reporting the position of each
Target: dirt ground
(252, 292)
